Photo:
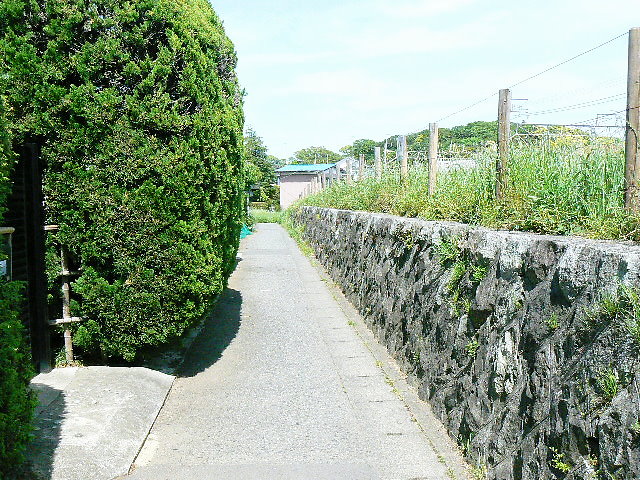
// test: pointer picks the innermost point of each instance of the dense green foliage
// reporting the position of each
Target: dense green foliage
(16, 400)
(361, 147)
(313, 155)
(471, 137)
(139, 115)
(260, 171)
(566, 187)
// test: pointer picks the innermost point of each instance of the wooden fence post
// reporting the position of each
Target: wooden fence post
(632, 157)
(433, 157)
(361, 167)
(402, 155)
(66, 304)
(385, 159)
(504, 127)
(378, 163)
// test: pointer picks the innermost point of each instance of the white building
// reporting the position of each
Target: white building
(298, 181)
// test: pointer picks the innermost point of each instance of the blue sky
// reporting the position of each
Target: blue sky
(326, 73)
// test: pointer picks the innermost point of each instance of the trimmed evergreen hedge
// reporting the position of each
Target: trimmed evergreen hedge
(139, 116)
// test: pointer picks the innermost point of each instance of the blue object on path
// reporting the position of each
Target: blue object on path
(245, 232)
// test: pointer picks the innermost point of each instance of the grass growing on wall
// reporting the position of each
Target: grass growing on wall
(565, 187)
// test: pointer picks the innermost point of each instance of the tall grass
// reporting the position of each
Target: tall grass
(257, 215)
(568, 187)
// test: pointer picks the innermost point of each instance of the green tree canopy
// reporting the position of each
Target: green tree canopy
(260, 168)
(363, 146)
(312, 155)
(138, 113)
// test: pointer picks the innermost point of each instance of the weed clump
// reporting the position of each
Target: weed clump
(563, 187)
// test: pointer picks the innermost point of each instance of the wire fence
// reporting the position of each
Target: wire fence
(543, 121)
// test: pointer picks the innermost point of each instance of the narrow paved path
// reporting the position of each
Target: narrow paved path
(281, 385)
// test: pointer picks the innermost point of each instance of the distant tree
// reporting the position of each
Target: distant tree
(259, 168)
(473, 135)
(276, 162)
(362, 146)
(311, 155)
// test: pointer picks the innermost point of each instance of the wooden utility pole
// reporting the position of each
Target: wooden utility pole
(402, 155)
(378, 163)
(348, 167)
(433, 157)
(632, 157)
(361, 167)
(504, 131)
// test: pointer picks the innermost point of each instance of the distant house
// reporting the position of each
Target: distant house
(297, 181)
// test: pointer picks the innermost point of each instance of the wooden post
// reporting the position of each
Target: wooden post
(386, 156)
(504, 126)
(378, 163)
(433, 157)
(66, 302)
(632, 157)
(348, 167)
(402, 155)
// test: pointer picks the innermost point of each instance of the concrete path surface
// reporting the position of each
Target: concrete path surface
(285, 382)
(91, 422)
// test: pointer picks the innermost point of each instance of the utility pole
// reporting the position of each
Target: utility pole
(402, 155)
(378, 163)
(504, 127)
(433, 157)
(632, 158)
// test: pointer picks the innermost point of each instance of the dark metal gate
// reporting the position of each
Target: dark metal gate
(26, 214)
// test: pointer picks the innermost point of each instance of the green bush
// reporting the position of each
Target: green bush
(16, 399)
(138, 113)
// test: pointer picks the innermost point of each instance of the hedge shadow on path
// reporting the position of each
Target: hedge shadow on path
(48, 419)
(220, 328)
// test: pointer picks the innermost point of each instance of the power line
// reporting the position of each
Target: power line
(568, 60)
(568, 125)
(467, 108)
(534, 76)
(573, 92)
(590, 103)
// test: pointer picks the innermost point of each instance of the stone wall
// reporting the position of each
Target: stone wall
(526, 346)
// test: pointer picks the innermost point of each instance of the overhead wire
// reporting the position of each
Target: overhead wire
(535, 75)
(576, 106)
